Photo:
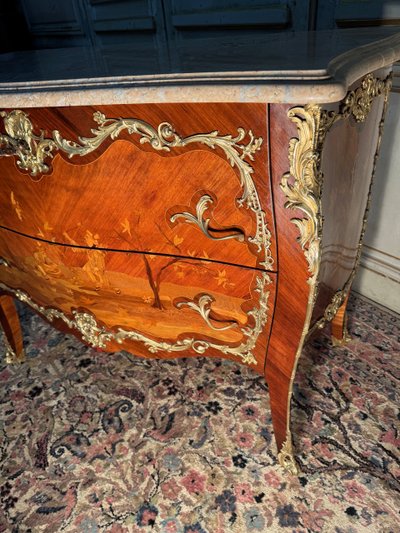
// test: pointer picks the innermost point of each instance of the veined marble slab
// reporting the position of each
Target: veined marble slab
(290, 67)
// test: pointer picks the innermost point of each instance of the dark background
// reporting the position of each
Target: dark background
(162, 24)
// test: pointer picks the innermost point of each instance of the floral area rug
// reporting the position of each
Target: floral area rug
(95, 442)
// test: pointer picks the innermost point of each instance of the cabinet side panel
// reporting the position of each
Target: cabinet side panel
(347, 164)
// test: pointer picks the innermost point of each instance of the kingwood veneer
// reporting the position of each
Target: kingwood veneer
(192, 228)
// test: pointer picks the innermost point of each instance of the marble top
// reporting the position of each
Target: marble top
(289, 67)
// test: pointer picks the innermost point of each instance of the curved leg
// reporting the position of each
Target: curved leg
(340, 335)
(279, 387)
(11, 327)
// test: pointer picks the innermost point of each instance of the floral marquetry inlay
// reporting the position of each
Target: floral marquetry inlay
(33, 153)
(98, 336)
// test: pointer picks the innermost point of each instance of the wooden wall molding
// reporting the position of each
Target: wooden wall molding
(381, 263)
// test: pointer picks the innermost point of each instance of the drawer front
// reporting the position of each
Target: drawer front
(150, 305)
(162, 180)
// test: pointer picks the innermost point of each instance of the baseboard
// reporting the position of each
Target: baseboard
(381, 263)
(378, 278)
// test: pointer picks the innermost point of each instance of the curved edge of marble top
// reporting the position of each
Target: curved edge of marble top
(302, 86)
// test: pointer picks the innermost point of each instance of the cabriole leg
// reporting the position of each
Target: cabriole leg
(11, 327)
(279, 387)
(340, 335)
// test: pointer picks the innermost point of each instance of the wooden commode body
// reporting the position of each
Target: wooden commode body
(192, 225)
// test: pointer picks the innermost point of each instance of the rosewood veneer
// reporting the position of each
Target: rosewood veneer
(176, 215)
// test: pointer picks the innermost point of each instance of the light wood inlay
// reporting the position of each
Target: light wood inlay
(132, 243)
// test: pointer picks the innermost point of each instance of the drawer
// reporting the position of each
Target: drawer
(147, 304)
(140, 184)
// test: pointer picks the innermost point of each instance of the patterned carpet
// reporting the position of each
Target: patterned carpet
(92, 442)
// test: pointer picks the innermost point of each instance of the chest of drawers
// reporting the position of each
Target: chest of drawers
(197, 227)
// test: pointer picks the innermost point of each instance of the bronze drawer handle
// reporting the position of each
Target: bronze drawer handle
(202, 305)
(204, 223)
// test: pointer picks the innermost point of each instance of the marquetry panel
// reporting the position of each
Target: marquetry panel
(201, 193)
(164, 306)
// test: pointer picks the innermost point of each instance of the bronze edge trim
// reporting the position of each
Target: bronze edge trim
(305, 193)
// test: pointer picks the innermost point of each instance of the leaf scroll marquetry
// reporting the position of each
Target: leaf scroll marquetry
(32, 151)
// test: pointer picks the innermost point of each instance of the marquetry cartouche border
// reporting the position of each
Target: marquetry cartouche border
(98, 336)
(32, 152)
(302, 186)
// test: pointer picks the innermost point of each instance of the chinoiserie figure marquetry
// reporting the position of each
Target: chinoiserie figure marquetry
(229, 229)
